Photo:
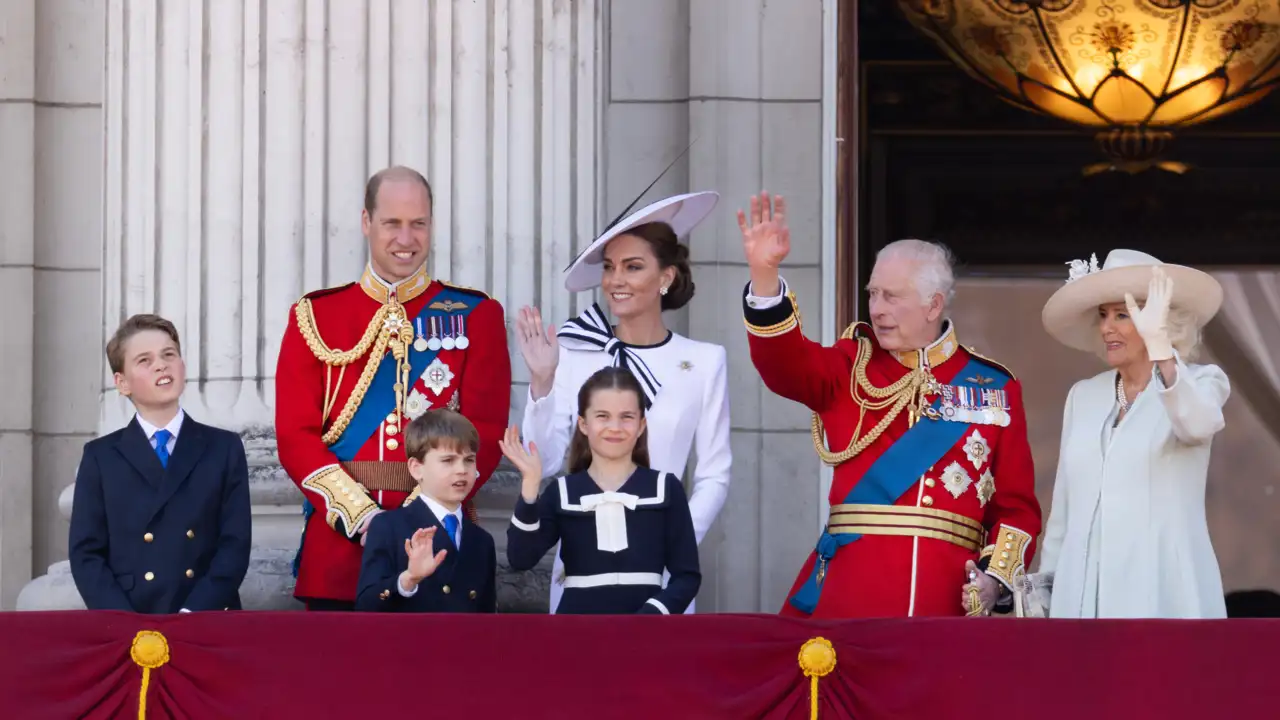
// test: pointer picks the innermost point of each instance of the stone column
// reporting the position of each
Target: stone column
(17, 289)
(239, 136)
(744, 78)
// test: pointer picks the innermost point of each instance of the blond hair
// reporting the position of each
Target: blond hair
(1183, 329)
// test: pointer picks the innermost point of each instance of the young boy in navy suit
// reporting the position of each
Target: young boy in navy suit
(428, 556)
(160, 522)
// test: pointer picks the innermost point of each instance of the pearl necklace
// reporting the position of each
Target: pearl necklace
(1120, 397)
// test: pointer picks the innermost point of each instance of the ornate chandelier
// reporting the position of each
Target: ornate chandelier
(1135, 69)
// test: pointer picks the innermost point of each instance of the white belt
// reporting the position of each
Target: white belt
(603, 579)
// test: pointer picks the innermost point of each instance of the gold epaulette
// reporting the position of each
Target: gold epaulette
(345, 499)
(999, 366)
(325, 291)
(1008, 555)
(467, 289)
(851, 332)
(792, 321)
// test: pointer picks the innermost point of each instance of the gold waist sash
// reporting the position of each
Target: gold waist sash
(379, 475)
(906, 522)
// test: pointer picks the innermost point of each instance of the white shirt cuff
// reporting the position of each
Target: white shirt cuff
(402, 591)
(756, 302)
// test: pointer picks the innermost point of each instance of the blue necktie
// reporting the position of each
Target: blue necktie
(162, 446)
(451, 527)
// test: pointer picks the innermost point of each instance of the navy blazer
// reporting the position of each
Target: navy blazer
(464, 582)
(152, 539)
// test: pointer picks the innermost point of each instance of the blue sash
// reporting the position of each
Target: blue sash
(380, 398)
(896, 471)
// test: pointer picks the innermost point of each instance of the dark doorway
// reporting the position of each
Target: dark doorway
(940, 157)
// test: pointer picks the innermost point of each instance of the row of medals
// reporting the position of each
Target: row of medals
(952, 409)
(458, 340)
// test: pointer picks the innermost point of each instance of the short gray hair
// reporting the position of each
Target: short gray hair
(935, 267)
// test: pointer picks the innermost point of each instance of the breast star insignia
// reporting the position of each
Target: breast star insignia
(437, 376)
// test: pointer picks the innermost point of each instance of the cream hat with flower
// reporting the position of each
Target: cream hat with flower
(1071, 314)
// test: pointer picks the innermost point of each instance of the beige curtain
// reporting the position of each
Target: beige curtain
(1245, 340)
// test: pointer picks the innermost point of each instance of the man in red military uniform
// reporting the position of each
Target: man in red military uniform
(358, 362)
(933, 507)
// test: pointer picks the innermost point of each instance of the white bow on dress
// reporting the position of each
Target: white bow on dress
(610, 509)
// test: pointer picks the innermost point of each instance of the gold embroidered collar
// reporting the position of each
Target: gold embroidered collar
(937, 353)
(405, 290)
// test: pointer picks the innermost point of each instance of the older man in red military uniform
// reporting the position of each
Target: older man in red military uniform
(360, 361)
(933, 507)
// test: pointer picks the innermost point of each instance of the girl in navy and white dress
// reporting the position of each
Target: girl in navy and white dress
(620, 525)
(643, 269)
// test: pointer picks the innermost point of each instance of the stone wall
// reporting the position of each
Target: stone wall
(743, 80)
(217, 173)
(51, 59)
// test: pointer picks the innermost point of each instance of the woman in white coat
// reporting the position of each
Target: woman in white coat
(643, 270)
(1127, 535)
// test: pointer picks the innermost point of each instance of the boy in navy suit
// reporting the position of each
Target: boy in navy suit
(402, 570)
(161, 521)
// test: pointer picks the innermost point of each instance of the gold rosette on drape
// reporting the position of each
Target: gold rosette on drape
(149, 651)
(817, 659)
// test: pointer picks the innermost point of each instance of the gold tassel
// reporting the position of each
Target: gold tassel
(817, 659)
(149, 651)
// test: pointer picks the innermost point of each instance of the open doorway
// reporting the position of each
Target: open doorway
(929, 152)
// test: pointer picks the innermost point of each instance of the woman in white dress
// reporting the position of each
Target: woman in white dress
(643, 269)
(1127, 535)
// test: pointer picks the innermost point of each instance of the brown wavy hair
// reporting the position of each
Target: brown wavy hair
(610, 378)
(670, 252)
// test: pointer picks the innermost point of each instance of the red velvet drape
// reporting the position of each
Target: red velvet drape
(320, 665)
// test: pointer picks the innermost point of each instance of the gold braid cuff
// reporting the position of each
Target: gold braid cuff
(987, 552)
(792, 322)
(389, 328)
(1009, 554)
(345, 499)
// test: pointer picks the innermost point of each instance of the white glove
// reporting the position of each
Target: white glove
(1153, 319)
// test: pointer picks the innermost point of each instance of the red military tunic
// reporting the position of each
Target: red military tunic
(347, 477)
(975, 502)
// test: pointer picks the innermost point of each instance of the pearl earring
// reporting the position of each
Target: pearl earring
(663, 291)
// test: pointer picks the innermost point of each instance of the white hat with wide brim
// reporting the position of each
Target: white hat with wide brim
(681, 212)
(1071, 315)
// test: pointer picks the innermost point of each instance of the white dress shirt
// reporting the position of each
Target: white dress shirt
(174, 426)
(441, 513)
